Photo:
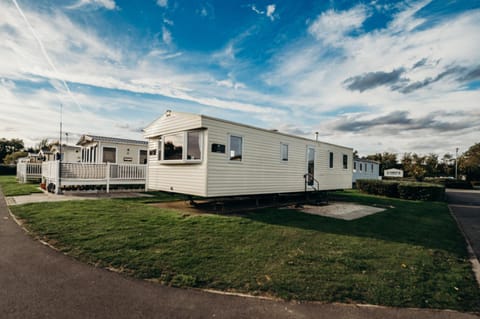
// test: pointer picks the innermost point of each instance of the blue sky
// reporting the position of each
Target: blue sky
(373, 75)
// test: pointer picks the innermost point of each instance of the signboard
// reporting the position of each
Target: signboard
(218, 148)
(128, 159)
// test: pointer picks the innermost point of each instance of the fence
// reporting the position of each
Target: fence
(29, 172)
(79, 174)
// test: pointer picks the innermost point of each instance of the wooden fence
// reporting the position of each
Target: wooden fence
(79, 174)
(29, 172)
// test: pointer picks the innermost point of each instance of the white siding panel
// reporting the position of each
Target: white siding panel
(261, 170)
(176, 122)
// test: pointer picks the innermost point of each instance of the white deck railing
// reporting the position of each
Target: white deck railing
(92, 174)
(29, 171)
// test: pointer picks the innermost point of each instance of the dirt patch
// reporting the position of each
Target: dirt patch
(345, 211)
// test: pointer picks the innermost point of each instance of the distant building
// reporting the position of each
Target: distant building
(70, 153)
(365, 169)
(393, 172)
(101, 149)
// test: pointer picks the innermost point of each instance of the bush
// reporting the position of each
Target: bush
(421, 191)
(8, 170)
(453, 183)
(403, 190)
(383, 188)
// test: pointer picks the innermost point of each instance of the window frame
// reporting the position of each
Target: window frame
(116, 154)
(330, 159)
(282, 158)
(345, 161)
(229, 148)
(183, 159)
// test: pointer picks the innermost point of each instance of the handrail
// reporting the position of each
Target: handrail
(314, 180)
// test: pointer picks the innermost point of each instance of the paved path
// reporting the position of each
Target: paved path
(465, 205)
(38, 282)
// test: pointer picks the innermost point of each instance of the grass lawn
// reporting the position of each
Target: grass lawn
(411, 255)
(10, 186)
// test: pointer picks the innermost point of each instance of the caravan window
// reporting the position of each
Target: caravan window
(331, 160)
(345, 161)
(173, 147)
(182, 146)
(235, 148)
(194, 142)
(284, 151)
(109, 155)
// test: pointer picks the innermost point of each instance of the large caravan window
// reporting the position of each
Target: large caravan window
(345, 161)
(236, 145)
(109, 155)
(284, 151)
(173, 147)
(331, 160)
(194, 149)
(182, 146)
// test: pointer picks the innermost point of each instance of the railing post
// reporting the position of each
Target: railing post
(57, 177)
(145, 176)
(107, 175)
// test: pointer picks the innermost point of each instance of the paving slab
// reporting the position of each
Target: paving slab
(345, 211)
(49, 197)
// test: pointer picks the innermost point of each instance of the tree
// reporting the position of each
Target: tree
(9, 146)
(44, 145)
(431, 165)
(469, 163)
(12, 158)
(386, 160)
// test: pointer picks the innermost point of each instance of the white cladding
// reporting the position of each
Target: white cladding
(261, 170)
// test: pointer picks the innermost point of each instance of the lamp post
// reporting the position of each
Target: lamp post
(456, 163)
(59, 189)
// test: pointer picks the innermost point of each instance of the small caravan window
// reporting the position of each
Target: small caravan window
(345, 161)
(331, 160)
(354, 165)
(109, 155)
(372, 167)
(360, 167)
(284, 151)
(235, 148)
(173, 147)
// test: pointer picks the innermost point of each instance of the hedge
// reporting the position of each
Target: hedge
(8, 170)
(404, 190)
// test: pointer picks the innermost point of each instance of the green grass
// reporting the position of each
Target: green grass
(10, 186)
(411, 255)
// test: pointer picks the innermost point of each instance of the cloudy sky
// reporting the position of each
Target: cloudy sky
(373, 75)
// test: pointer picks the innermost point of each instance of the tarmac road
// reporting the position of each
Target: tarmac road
(465, 205)
(39, 282)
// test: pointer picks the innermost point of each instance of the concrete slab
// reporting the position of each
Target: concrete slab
(345, 211)
(48, 197)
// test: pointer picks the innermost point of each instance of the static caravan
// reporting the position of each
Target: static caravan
(70, 153)
(365, 169)
(205, 156)
(102, 149)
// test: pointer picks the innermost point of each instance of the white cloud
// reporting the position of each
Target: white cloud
(254, 9)
(162, 3)
(331, 25)
(107, 4)
(270, 11)
(166, 36)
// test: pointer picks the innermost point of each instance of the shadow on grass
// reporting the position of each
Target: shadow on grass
(426, 224)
